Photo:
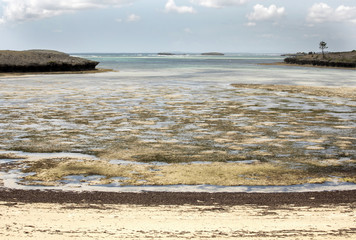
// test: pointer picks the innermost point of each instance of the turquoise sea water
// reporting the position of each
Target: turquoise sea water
(231, 68)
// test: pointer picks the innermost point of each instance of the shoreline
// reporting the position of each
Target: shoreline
(11, 74)
(303, 65)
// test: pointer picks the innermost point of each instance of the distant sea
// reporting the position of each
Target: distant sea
(230, 68)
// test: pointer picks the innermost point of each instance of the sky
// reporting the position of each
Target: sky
(189, 26)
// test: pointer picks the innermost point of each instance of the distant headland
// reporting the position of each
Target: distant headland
(329, 59)
(42, 61)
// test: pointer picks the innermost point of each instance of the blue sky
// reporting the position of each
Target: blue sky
(257, 26)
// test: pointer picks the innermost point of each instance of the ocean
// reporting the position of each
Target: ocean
(230, 68)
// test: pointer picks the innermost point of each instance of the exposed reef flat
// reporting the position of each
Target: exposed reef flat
(287, 134)
(332, 59)
(42, 61)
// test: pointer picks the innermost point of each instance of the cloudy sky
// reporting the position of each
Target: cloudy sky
(259, 26)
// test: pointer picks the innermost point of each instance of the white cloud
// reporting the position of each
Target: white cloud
(172, 7)
(219, 3)
(133, 18)
(20, 10)
(251, 24)
(261, 13)
(321, 13)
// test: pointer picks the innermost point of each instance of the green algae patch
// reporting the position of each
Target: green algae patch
(55, 171)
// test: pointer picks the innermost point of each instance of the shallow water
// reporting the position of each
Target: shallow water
(12, 179)
(179, 109)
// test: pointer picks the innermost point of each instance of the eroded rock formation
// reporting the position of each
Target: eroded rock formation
(42, 61)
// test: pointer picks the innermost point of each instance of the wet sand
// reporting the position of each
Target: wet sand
(90, 215)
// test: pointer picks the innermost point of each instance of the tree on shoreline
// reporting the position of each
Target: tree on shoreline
(322, 46)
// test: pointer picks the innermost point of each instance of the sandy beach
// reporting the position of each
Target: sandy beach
(89, 215)
(100, 221)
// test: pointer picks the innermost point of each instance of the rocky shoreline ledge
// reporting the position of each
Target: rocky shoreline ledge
(332, 59)
(42, 61)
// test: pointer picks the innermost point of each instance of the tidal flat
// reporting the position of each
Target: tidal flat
(239, 134)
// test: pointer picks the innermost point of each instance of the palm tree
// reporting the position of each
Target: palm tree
(322, 46)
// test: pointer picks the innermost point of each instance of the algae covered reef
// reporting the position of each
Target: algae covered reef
(243, 134)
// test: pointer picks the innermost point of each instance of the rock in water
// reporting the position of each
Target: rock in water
(42, 61)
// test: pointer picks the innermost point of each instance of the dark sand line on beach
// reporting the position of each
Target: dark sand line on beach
(179, 198)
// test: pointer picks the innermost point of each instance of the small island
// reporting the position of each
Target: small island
(42, 61)
(329, 59)
(213, 54)
(165, 54)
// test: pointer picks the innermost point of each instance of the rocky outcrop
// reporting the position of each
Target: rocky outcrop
(42, 61)
(339, 59)
(293, 60)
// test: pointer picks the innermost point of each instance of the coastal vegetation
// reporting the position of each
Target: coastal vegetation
(322, 46)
